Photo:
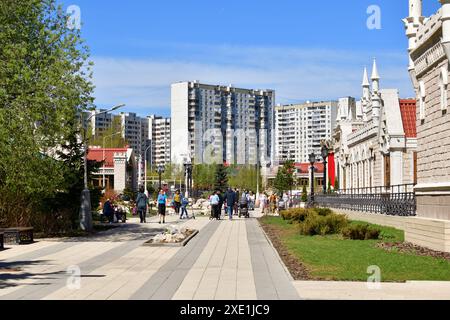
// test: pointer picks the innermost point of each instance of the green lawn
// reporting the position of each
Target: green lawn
(333, 258)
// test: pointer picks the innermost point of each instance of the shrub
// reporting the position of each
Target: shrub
(323, 211)
(316, 224)
(361, 232)
(295, 215)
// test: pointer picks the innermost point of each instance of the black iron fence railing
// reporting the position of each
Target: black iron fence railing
(399, 200)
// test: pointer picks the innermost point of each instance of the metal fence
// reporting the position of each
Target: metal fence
(399, 200)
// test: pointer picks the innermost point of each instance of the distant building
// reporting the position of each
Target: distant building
(213, 123)
(300, 128)
(375, 140)
(159, 137)
(429, 53)
(302, 176)
(119, 170)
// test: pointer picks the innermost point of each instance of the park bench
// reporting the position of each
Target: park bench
(1, 241)
(18, 235)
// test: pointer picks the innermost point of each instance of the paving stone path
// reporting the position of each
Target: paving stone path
(227, 260)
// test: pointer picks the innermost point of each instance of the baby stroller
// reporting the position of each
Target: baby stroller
(243, 208)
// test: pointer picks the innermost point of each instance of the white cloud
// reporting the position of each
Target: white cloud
(295, 74)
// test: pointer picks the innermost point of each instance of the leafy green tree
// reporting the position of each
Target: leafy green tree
(304, 194)
(285, 177)
(45, 84)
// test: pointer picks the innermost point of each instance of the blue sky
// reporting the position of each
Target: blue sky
(305, 50)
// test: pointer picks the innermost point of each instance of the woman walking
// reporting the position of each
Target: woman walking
(141, 203)
(162, 199)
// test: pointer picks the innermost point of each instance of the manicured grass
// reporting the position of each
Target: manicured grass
(333, 258)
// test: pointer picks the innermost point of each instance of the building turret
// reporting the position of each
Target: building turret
(446, 26)
(412, 23)
(376, 96)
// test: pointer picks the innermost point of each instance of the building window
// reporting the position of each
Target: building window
(422, 94)
(387, 170)
(443, 86)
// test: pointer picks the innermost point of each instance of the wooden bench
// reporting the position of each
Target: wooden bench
(1, 241)
(18, 235)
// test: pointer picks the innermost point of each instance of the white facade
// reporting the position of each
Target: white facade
(100, 122)
(300, 128)
(374, 140)
(159, 136)
(216, 124)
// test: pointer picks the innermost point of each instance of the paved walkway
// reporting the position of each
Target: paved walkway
(227, 260)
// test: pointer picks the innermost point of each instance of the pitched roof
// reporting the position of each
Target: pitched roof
(96, 154)
(408, 111)
(304, 167)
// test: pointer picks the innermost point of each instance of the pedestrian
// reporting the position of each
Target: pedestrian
(230, 200)
(252, 201)
(214, 201)
(141, 203)
(177, 202)
(108, 210)
(221, 201)
(162, 199)
(184, 204)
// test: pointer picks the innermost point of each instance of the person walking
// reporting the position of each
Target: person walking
(230, 200)
(177, 202)
(219, 208)
(214, 201)
(162, 199)
(141, 203)
(184, 204)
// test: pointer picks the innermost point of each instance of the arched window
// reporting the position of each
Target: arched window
(443, 86)
(422, 94)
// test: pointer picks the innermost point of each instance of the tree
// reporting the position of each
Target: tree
(221, 178)
(336, 184)
(45, 85)
(285, 177)
(304, 194)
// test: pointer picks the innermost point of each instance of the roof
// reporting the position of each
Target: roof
(392, 112)
(304, 167)
(409, 117)
(96, 154)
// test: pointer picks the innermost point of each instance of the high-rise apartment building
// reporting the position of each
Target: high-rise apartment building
(159, 136)
(100, 121)
(300, 128)
(216, 124)
(135, 130)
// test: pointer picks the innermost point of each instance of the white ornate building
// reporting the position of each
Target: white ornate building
(375, 139)
(429, 53)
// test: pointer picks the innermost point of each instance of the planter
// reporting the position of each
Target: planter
(174, 244)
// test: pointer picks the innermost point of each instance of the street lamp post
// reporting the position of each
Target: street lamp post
(85, 209)
(160, 172)
(312, 160)
(145, 168)
(324, 157)
(188, 176)
(104, 156)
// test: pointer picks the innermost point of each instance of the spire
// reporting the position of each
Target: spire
(375, 75)
(365, 82)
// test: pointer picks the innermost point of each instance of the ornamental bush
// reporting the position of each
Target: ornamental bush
(361, 232)
(316, 224)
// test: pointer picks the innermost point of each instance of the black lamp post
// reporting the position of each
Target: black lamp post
(325, 151)
(160, 172)
(312, 161)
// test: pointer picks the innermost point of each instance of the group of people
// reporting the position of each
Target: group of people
(113, 212)
(231, 201)
(270, 204)
(179, 203)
